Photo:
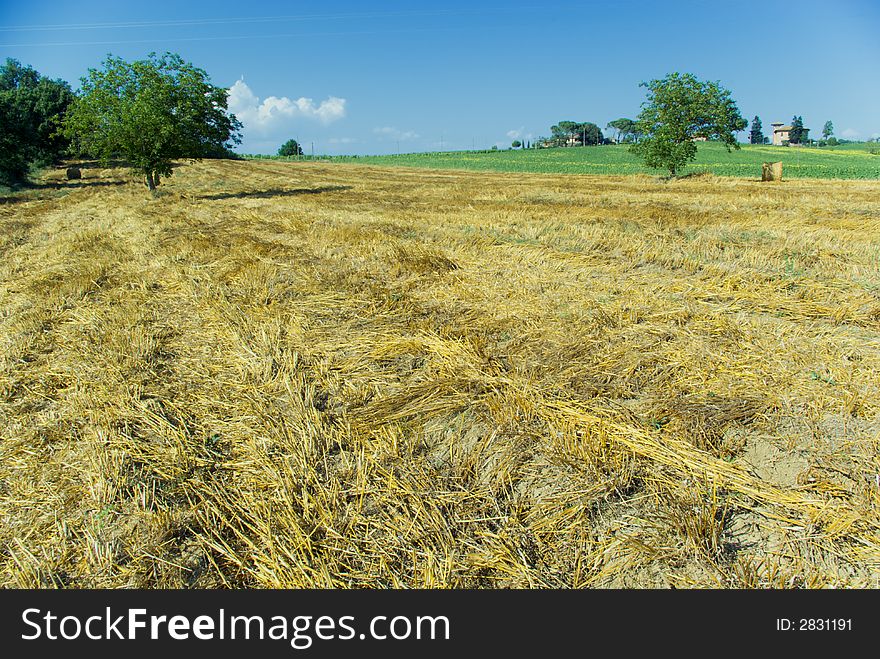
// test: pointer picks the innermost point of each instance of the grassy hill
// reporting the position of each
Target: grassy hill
(851, 161)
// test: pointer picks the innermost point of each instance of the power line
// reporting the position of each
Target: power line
(257, 19)
(251, 36)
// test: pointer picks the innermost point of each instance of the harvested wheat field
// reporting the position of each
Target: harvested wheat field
(327, 375)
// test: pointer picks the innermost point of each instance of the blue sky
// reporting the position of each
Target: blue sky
(356, 77)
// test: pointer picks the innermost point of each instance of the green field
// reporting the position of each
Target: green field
(851, 161)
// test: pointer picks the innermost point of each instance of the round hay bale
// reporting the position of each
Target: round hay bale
(771, 171)
(73, 173)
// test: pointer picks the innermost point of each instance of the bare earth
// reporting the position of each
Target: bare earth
(324, 375)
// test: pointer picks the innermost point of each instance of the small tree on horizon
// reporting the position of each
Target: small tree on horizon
(828, 129)
(756, 135)
(680, 108)
(150, 112)
(290, 148)
(516, 144)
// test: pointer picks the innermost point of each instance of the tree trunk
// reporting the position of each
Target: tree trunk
(150, 181)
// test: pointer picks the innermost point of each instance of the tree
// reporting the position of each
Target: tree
(796, 135)
(756, 136)
(590, 134)
(571, 133)
(828, 129)
(516, 144)
(151, 112)
(625, 128)
(563, 133)
(290, 148)
(31, 107)
(14, 159)
(678, 109)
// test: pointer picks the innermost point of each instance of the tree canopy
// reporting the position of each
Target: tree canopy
(290, 148)
(626, 129)
(31, 107)
(828, 129)
(679, 109)
(573, 133)
(151, 112)
(797, 134)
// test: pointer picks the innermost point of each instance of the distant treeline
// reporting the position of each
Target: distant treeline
(586, 133)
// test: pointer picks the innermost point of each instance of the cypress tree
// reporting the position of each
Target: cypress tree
(756, 136)
(797, 130)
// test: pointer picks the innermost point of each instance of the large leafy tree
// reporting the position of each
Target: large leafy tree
(756, 135)
(678, 109)
(31, 107)
(151, 112)
(14, 160)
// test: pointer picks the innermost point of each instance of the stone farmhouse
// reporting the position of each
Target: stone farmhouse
(780, 133)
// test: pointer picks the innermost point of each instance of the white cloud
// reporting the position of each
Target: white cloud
(395, 133)
(241, 97)
(516, 133)
(341, 140)
(275, 112)
(849, 133)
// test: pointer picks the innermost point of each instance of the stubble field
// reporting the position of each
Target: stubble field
(329, 375)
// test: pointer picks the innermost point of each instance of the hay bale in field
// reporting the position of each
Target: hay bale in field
(73, 173)
(771, 171)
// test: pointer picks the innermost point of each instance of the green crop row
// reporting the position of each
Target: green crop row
(849, 162)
